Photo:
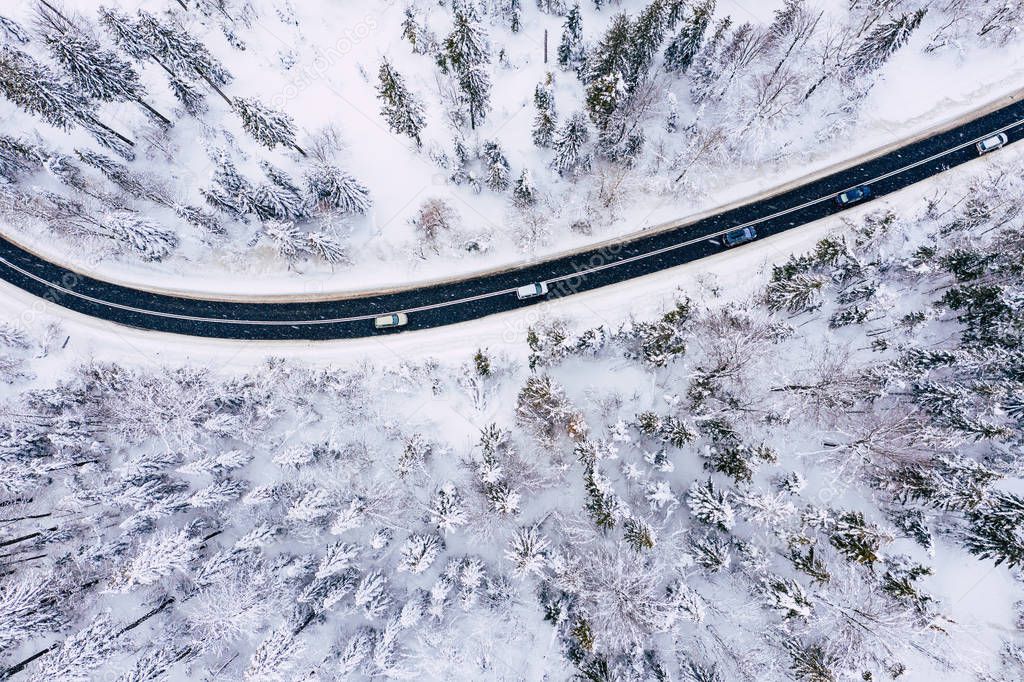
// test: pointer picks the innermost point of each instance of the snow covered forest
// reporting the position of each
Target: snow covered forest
(363, 141)
(820, 481)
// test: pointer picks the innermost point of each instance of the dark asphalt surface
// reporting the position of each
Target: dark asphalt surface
(438, 305)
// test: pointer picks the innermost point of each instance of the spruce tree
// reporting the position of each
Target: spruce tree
(570, 156)
(524, 194)
(37, 90)
(608, 72)
(101, 74)
(545, 121)
(571, 52)
(683, 47)
(884, 41)
(466, 54)
(400, 108)
(268, 127)
(498, 169)
(994, 530)
(230, 192)
(329, 187)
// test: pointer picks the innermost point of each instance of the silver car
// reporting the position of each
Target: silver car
(391, 320)
(532, 290)
(992, 143)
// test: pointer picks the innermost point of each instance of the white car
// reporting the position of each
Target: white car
(532, 290)
(391, 320)
(991, 143)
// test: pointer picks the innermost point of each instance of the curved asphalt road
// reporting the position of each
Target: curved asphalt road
(478, 296)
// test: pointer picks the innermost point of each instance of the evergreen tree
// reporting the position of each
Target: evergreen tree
(570, 156)
(684, 46)
(608, 71)
(16, 158)
(83, 651)
(466, 54)
(419, 552)
(329, 187)
(545, 121)
(230, 192)
(176, 50)
(524, 194)
(142, 236)
(498, 168)
(571, 51)
(512, 10)
(268, 127)
(995, 530)
(648, 32)
(884, 41)
(400, 108)
(711, 505)
(279, 199)
(37, 90)
(192, 100)
(101, 74)
(327, 249)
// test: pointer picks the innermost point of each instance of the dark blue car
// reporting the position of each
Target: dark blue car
(852, 196)
(737, 237)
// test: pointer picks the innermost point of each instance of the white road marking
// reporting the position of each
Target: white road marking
(492, 294)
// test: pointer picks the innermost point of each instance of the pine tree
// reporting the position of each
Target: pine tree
(608, 72)
(279, 199)
(142, 236)
(447, 510)
(400, 108)
(268, 127)
(796, 294)
(329, 187)
(192, 100)
(648, 32)
(711, 505)
(570, 156)
(466, 54)
(682, 49)
(372, 595)
(99, 73)
(884, 41)
(83, 651)
(38, 91)
(230, 192)
(162, 555)
(174, 49)
(13, 31)
(419, 552)
(571, 51)
(327, 249)
(498, 168)
(17, 158)
(275, 656)
(994, 530)
(638, 533)
(527, 550)
(524, 194)
(545, 121)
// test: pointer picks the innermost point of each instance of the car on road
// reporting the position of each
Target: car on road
(852, 196)
(737, 237)
(992, 143)
(532, 290)
(391, 321)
